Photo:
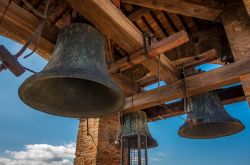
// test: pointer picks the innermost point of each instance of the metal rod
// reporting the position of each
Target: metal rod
(139, 149)
(146, 151)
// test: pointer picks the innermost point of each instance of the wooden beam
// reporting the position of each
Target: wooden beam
(109, 20)
(184, 7)
(162, 69)
(245, 81)
(203, 82)
(154, 50)
(20, 28)
(18, 24)
(192, 61)
(127, 86)
(227, 96)
(247, 6)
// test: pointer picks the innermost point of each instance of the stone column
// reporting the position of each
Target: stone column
(94, 145)
(237, 26)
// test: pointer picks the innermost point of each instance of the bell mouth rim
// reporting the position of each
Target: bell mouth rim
(45, 75)
(238, 128)
(153, 143)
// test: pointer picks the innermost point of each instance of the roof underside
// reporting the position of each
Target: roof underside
(203, 35)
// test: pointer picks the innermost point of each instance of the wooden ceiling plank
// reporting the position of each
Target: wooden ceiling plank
(183, 7)
(138, 14)
(203, 82)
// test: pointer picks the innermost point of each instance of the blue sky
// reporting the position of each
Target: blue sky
(26, 130)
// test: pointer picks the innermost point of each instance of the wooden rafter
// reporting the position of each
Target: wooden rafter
(184, 7)
(111, 21)
(138, 14)
(192, 61)
(20, 28)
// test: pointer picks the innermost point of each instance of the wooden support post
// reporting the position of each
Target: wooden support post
(237, 26)
(208, 11)
(245, 81)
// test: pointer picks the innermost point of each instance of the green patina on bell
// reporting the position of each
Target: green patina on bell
(75, 82)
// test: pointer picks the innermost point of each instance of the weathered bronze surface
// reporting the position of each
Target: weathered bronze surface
(75, 82)
(207, 118)
(134, 125)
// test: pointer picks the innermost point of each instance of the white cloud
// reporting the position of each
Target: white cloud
(154, 159)
(162, 154)
(41, 154)
(159, 157)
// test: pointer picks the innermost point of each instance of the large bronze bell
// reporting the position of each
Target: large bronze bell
(207, 118)
(134, 125)
(75, 82)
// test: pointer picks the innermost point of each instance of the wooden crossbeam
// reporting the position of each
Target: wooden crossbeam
(18, 24)
(227, 96)
(111, 21)
(192, 61)
(203, 82)
(163, 68)
(190, 8)
(245, 81)
(154, 50)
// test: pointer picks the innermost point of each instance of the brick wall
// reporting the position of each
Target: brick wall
(97, 148)
(237, 26)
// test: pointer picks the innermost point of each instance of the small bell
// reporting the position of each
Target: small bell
(136, 124)
(207, 118)
(135, 139)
